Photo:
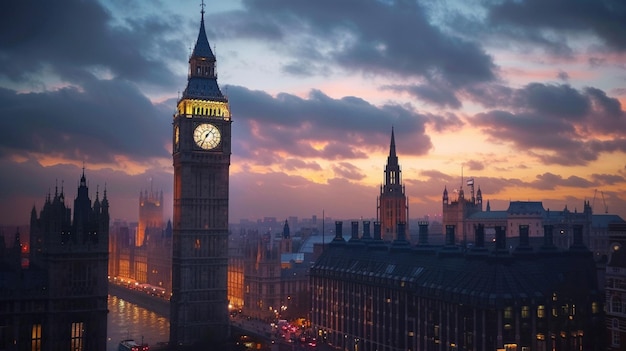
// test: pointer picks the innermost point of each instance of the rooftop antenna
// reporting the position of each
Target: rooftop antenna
(461, 176)
(323, 223)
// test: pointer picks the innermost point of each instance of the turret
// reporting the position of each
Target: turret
(445, 196)
(286, 234)
(423, 233)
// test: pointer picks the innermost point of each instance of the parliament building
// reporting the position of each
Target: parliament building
(53, 289)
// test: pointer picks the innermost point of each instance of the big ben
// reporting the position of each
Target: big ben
(201, 157)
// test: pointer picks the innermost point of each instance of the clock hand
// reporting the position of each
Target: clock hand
(206, 136)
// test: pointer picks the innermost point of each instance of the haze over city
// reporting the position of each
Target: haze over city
(525, 97)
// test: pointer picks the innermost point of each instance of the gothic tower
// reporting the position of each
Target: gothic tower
(457, 210)
(201, 157)
(150, 216)
(73, 253)
(393, 206)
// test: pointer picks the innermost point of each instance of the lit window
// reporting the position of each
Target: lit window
(525, 311)
(77, 337)
(541, 311)
(36, 337)
(508, 312)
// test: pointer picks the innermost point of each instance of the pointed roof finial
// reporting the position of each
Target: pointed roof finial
(392, 146)
(202, 48)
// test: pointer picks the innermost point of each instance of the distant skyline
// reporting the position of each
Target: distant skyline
(526, 97)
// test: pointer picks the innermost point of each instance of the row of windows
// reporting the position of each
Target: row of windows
(77, 337)
(616, 283)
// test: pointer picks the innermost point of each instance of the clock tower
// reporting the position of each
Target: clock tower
(393, 205)
(201, 157)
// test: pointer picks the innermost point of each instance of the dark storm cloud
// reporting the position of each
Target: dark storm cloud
(368, 36)
(539, 20)
(320, 126)
(96, 123)
(71, 38)
(557, 123)
(561, 101)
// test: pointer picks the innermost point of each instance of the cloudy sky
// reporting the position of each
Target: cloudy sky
(525, 96)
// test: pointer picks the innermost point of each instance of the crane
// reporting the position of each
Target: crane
(593, 204)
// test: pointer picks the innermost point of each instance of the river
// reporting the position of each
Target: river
(129, 321)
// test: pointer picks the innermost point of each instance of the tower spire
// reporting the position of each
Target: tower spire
(392, 145)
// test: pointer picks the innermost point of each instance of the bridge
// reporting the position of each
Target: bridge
(155, 304)
(258, 332)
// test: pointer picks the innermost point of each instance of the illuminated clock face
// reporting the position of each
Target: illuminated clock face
(206, 136)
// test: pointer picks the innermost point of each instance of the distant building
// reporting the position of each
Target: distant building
(464, 214)
(236, 264)
(58, 301)
(262, 273)
(268, 274)
(457, 209)
(150, 216)
(141, 253)
(393, 205)
(371, 295)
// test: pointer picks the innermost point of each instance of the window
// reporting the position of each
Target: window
(508, 312)
(615, 337)
(77, 337)
(541, 311)
(36, 337)
(525, 311)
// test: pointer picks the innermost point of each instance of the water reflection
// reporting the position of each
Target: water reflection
(129, 321)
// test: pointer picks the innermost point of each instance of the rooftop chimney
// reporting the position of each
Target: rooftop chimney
(479, 235)
(377, 231)
(366, 231)
(423, 233)
(338, 239)
(547, 237)
(355, 232)
(450, 235)
(500, 238)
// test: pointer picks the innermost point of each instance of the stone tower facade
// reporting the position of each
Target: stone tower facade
(393, 206)
(201, 157)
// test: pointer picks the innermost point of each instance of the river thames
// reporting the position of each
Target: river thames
(129, 321)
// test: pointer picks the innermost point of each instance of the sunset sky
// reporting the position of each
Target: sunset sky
(526, 97)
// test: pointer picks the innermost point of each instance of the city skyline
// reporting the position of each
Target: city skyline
(527, 102)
